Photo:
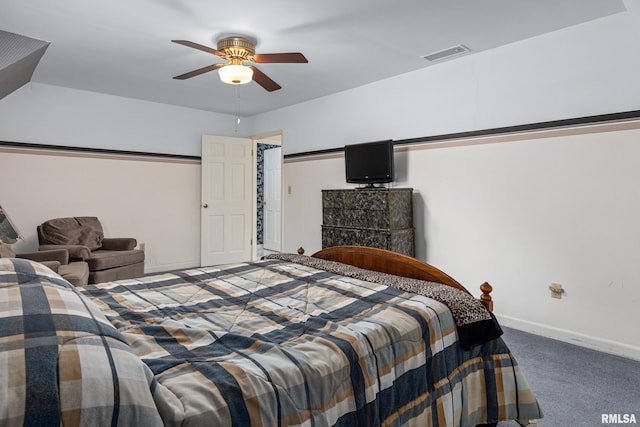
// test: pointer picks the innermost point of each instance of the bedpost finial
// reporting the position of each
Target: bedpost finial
(301, 250)
(485, 298)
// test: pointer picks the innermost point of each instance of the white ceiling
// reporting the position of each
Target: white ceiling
(124, 48)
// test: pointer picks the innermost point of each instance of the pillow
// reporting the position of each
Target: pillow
(63, 362)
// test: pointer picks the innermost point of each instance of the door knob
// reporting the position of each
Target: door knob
(205, 206)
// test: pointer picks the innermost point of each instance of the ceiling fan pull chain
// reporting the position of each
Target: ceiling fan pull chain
(237, 89)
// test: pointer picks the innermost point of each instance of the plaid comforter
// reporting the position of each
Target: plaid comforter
(61, 360)
(275, 343)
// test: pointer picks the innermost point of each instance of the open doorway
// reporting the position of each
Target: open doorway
(268, 195)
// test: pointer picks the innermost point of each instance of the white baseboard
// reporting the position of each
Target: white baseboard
(171, 267)
(571, 337)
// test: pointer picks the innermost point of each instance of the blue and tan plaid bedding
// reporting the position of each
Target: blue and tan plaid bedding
(276, 343)
(61, 360)
(474, 323)
(272, 343)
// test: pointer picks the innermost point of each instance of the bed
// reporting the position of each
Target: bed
(291, 340)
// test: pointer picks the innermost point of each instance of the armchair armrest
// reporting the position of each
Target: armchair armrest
(75, 251)
(53, 265)
(61, 256)
(119, 243)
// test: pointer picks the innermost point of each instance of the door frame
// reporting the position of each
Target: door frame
(274, 138)
(272, 199)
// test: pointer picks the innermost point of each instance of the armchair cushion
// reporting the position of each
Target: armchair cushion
(81, 230)
(103, 259)
(76, 273)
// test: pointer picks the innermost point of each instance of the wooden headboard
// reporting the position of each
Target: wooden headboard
(389, 262)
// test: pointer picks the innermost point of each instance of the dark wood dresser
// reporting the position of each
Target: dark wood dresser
(376, 217)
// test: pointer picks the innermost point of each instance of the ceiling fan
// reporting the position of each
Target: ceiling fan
(238, 51)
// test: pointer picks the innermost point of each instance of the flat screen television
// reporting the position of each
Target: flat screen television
(369, 163)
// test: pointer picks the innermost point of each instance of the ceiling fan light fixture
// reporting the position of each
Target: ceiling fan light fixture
(235, 74)
(238, 51)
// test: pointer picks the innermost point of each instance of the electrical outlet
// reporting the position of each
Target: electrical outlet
(556, 290)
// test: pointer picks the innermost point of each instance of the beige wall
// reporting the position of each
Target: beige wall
(154, 200)
(519, 211)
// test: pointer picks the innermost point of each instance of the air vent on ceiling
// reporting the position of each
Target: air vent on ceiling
(445, 53)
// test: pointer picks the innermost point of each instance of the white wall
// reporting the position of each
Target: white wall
(524, 214)
(53, 115)
(155, 201)
(302, 201)
(519, 214)
(585, 70)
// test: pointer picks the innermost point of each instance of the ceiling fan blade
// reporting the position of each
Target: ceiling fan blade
(199, 47)
(292, 57)
(263, 80)
(199, 71)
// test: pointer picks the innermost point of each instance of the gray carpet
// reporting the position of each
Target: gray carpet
(575, 385)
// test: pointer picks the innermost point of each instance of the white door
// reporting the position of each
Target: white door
(227, 204)
(272, 199)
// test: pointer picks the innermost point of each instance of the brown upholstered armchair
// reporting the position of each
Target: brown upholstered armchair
(108, 258)
(75, 272)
